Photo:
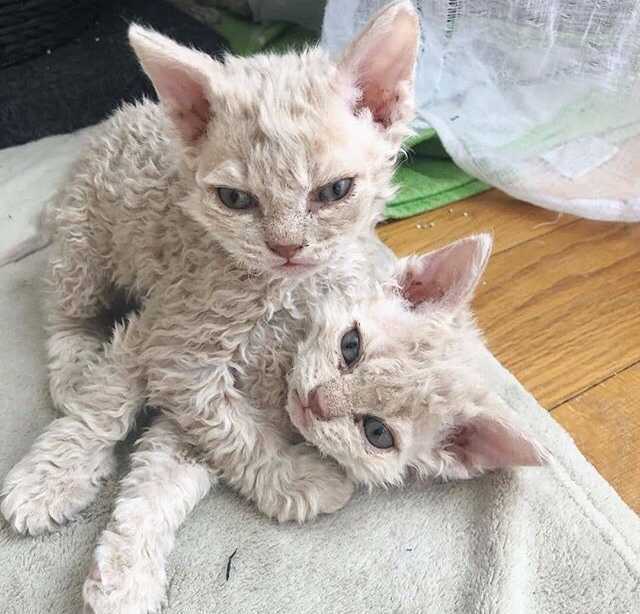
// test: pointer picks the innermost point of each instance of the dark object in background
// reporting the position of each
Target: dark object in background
(84, 80)
(29, 27)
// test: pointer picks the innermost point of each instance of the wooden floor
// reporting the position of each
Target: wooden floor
(560, 308)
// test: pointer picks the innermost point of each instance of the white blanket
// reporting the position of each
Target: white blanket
(29, 176)
(556, 540)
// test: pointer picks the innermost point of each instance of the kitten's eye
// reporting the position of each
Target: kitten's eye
(236, 199)
(350, 346)
(376, 432)
(335, 191)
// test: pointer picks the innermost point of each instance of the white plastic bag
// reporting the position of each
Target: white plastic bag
(537, 97)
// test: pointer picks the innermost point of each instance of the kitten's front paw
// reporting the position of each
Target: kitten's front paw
(312, 485)
(42, 492)
(123, 581)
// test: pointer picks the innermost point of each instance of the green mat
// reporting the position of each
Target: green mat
(427, 179)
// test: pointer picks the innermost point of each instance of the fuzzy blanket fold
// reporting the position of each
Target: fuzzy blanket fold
(556, 540)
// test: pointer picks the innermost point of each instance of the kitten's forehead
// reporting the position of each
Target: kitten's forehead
(384, 320)
(292, 83)
(290, 118)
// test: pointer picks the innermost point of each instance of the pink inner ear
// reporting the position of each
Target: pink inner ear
(382, 61)
(486, 443)
(186, 103)
(388, 62)
(379, 101)
(190, 110)
(417, 290)
(180, 76)
(447, 276)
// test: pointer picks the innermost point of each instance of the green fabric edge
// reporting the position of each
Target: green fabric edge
(397, 210)
(414, 141)
(415, 195)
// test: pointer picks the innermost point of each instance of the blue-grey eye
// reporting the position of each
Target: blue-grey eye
(335, 191)
(236, 199)
(350, 346)
(377, 433)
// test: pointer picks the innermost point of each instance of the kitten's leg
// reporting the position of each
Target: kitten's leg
(59, 476)
(286, 481)
(128, 574)
(295, 483)
(73, 346)
(79, 292)
(62, 472)
(187, 373)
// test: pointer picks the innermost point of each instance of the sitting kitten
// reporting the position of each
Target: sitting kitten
(248, 193)
(384, 383)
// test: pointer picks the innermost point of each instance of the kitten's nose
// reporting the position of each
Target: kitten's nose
(316, 405)
(286, 251)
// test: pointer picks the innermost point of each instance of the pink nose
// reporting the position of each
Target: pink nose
(286, 251)
(316, 405)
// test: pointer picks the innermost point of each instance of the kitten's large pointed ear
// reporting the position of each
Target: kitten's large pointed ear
(181, 77)
(447, 276)
(381, 62)
(473, 445)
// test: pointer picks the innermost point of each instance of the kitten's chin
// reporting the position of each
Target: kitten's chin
(285, 270)
(295, 270)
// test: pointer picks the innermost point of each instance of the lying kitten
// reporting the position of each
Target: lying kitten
(253, 178)
(384, 383)
(388, 384)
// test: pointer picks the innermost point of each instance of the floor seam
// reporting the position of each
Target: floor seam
(590, 387)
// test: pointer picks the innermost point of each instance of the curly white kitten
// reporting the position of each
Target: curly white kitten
(227, 212)
(383, 382)
(388, 383)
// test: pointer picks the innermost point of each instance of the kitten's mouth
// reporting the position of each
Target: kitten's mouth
(292, 266)
(295, 263)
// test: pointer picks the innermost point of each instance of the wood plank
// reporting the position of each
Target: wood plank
(562, 311)
(605, 424)
(511, 221)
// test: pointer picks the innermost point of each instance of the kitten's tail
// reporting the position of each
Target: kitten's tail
(35, 243)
